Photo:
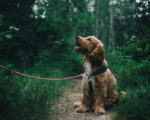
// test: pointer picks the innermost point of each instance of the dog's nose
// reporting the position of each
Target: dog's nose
(77, 37)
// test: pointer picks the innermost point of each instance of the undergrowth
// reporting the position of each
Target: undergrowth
(132, 78)
(27, 99)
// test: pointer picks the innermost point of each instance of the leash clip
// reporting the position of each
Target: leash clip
(90, 82)
(89, 77)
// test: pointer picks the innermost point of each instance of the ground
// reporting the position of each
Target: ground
(63, 109)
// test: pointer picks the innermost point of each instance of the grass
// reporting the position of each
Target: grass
(28, 98)
(132, 77)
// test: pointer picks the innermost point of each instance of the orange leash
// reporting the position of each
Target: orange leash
(29, 76)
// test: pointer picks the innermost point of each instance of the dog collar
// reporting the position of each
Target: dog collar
(95, 73)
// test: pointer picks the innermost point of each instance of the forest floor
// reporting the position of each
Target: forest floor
(63, 109)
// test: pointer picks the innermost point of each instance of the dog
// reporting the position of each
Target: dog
(99, 88)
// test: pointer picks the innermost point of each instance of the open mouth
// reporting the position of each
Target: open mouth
(80, 49)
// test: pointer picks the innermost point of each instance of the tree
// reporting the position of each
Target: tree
(102, 19)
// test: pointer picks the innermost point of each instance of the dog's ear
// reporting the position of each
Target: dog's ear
(98, 53)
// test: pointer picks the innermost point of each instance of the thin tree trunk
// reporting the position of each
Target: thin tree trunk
(111, 34)
(97, 27)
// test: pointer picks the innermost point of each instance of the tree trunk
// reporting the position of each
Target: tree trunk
(111, 33)
(97, 25)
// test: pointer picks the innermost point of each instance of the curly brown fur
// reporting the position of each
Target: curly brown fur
(104, 85)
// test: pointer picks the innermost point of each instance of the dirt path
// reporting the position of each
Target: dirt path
(63, 107)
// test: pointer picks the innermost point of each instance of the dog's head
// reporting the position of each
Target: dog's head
(90, 46)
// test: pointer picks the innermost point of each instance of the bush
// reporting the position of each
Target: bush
(133, 77)
(25, 98)
(135, 105)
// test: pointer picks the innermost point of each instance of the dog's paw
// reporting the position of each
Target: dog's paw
(76, 104)
(99, 111)
(81, 109)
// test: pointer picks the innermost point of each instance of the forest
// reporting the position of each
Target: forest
(37, 37)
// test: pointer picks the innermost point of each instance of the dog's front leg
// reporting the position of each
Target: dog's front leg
(99, 105)
(100, 96)
(86, 99)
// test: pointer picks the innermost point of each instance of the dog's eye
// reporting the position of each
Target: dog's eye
(89, 39)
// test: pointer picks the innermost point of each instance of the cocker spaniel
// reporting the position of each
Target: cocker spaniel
(99, 84)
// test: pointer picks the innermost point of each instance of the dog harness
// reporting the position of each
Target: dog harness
(93, 74)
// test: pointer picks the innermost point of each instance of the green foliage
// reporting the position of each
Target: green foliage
(44, 38)
(138, 48)
(39, 46)
(132, 71)
(131, 63)
(27, 98)
(38, 37)
(102, 20)
(135, 105)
